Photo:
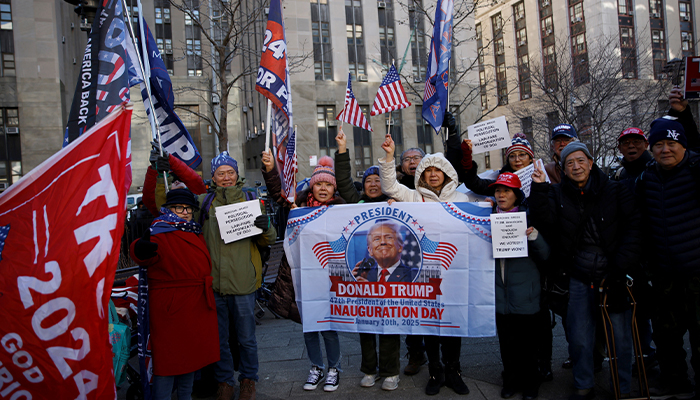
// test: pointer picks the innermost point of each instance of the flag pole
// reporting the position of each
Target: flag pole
(267, 125)
(146, 72)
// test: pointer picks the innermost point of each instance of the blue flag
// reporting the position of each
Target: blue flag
(104, 80)
(175, 138)
(437, 80)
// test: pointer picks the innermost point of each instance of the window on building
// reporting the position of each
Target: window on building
(163, 31)
(501, 72)
(423, 131)
(547, 26)
(321, 37)
(622, 7)
(499, 44)
(524, 63)
(10, 146)
(627, 37)
(192, 34)
(497, 22)
(6, 17)
(684, 11)
(327, 130)
(526, 128)
(188, 17)
(576, 13)
(387, 43)
(487, 159)
(355, 38)
(395, 129)
(655, 8)
(548, 54)
(363, 145)
(578, 44)
(521, 37)
(686, 41)
(657, 36)
(8, 64)
(419, 56)
(519, 11)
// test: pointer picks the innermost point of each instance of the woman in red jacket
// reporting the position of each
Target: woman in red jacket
(183, 321)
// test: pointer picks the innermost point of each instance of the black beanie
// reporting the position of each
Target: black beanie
(181, 196)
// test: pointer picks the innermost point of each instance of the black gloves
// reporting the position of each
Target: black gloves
(144, 248)
(158, 162)
(262, 222)
(449, 122)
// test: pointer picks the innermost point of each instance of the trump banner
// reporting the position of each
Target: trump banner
(405, 268)
(60, 231)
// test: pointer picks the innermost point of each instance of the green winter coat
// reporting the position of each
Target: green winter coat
(237, 266)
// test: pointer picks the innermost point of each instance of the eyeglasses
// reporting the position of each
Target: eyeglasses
(409, 159)
(182, 209)
(519, 156)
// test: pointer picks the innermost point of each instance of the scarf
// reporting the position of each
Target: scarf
(312, 202)
(499, 211)
(168, 221)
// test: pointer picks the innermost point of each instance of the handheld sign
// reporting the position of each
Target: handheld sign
(692, 78)
(236, 220)
(525, 176)
(509, 238)
(489, 135)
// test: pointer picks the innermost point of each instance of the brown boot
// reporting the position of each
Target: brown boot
(225, 391)
(247, 390)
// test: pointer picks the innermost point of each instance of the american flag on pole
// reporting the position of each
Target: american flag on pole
(334, 250)
(438, 251)
(352, 114)
(290, 168)
(390, 96)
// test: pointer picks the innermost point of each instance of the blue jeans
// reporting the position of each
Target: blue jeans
(313, 348)
(163, 386)
(242, 311)
(582, 316)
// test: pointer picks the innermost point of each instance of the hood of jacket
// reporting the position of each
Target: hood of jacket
(438, 161)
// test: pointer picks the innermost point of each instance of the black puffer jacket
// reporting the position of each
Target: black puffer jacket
(630, 170)
(670, 202)
(610, 243)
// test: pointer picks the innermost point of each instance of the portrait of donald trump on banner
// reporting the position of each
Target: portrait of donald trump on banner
(383, 263)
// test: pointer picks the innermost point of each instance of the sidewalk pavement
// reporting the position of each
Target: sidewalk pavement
(284, 367)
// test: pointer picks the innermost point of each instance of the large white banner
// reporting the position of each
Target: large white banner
(408, 268)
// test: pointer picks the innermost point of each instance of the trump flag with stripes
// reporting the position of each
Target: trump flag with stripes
(390, 96)
(352, 114)
(405, 268)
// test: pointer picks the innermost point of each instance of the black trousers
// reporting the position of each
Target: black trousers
(544, 337)
(517, 336)
(388, 361)
(677, 312)
(451, 347)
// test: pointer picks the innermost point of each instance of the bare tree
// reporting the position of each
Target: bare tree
(597, 90)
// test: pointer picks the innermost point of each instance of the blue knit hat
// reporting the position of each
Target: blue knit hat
(564, 130)
(373, 170)
(223, 159)
(667, 129)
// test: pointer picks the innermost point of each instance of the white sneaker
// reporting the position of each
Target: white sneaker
(315, 376)
(368, 380)
(332, 380)
(391, 383)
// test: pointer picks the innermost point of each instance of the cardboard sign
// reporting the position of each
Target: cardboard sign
(509, 238)
(525, 176)
(489, 135)
(692, 78)
(236, 220)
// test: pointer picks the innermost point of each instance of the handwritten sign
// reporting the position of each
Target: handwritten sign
(236, 220)
(509, 238)
(489, 135)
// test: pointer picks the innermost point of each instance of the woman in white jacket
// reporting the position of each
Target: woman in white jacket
(436, 181)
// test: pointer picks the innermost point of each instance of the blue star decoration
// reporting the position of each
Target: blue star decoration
(4, 231)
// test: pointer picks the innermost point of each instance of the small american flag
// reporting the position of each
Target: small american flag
(438, 251)
(352, 114)
(429, 90)
(290, 167)
(390, 96)
(334, 250)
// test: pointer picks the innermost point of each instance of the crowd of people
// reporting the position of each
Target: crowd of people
(638, 228)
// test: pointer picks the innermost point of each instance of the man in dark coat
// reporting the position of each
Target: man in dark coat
(594, 224)
(668, 192)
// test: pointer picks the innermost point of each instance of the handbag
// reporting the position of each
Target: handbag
(120, 339)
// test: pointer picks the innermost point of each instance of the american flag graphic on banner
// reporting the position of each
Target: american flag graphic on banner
(352, 114)
(334, 250)
(290, 168)
(390, 96)
(438, 251)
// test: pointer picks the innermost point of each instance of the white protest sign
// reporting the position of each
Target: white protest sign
(489, 135)
(539, 163)
(509, 238)
(236, 220)
(525, 176)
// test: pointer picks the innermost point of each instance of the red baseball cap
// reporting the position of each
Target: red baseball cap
(632, 131)
(508, 179)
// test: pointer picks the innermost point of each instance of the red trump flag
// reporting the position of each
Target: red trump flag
(60, 231)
